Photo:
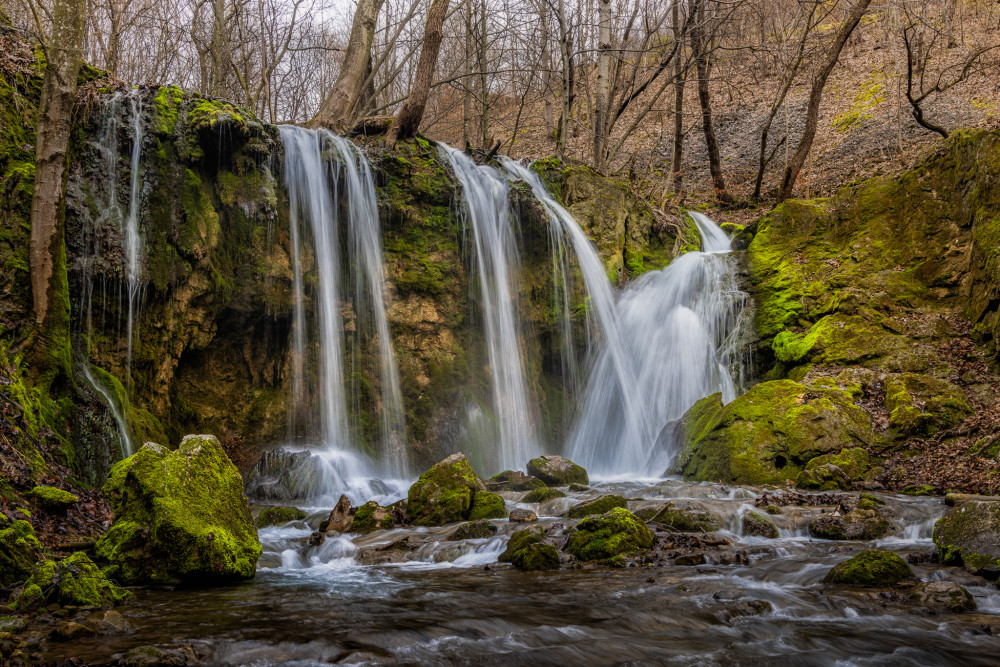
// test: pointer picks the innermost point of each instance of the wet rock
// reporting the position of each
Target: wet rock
(155, 656)
(443, 494)
(872, 568)
(316, 538)
(71, 631)
(691, 559)
(276, 515)
(686, 521)
(855, 525)
(522, 516)
(514, 480)
(281, 475)
(13, 624)
(942, 597)
(599, 505)
(758, 525)
(969, 535)
(51, 499)
(751, 607)
(918, 490)
(19, 550)
(557, 471)
(520, 540)
(111, 622)
(474, 530)
(74, 580)
(826, 477)
(541, 495)
(180, 515)
(340, 517)
(578, 488)
(536, 557)
(773, 509)
(868, 502)
(369, 517)
(487, 505)
(609, 536)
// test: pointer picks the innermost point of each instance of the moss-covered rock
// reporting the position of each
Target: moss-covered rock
(443, 494)
(599, 505)
(872, 568)
(74, 580)
(769, 433)
(942, 597)
(869, 502)
(487, 505)
(541, 495)
(180, 515)
(920, 405)
(536, 557)
(756, 524)
(277, 515)
(918, 490)
(859, 524)
(606, 536)
(970, 535)
(687, 521)
(557, 471)
(854, 462)
(520, 540)
(474, 530)
(19, 550)
(826, 477)
(52, 499)
(370, 517)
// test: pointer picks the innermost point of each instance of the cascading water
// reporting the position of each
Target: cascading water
(315, 164)
(131, 239)
(486, 211)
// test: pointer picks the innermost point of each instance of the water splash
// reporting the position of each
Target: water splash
(486, 211)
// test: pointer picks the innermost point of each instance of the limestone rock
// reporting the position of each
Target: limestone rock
(369, 517)
(180, 515)
(872, 568)
(522, 516)
(557, 471)
(857, 524)
(447, 493)
(277, 515)
(969, 535)
(942, 596)
(340, 517)
(758, 525)
(474, 530)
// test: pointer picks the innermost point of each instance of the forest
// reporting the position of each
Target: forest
(499, 331)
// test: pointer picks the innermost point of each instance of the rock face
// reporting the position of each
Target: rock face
(609, 535)
(447, 493)
(74, 580)
(872, 568)
(598, 505)
(180, 515)
(970, 535)
(19, 550)
(557, 471)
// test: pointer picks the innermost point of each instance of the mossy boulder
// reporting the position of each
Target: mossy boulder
(855, 463)
(519, 540)
(557, 471)
(686, 521)
(52, 499)
(869, 502)
(920, 405)
(19, 550)
(756, 524)
(541, 495)
(474, 530)
(872, 568)
(858, 524)
(180, 515)
(487, 505)
(514, 480)
(536, 557)
(371, 517)
(277, 515)
(826, 477)
(447, 493)
(970, 535)
(942, 597)
(74, 580)
(598, 505)
(770, 433)
(606, 536)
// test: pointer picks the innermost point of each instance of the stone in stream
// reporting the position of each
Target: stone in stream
(686, 521)
(448, 493)
(340, 517)
(857, 524)
(110, 622)
(514, 480)
(277, 515)
(691, 559)
(370, 517)
(557, 471)
(871, 568)
(826, 477)
(487, 505)
(528, 550)
(969, 535)
(758, 525)
(541, 495)
(179, 515)
(941, 597)
(522, 516)
(474, 530)
(609, 536)
(598, 505)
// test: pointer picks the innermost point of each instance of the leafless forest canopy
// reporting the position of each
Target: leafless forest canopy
(743, 100)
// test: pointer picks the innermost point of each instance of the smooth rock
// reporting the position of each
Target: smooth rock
(557, 471)
(942, 596)
(872, 568)
(969, 535)
(340, 517)
(522, 516)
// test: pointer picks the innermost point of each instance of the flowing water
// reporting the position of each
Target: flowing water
(132, 240)
(486, 212)
(348, 602)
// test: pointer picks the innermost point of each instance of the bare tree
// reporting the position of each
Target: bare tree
(408, 119)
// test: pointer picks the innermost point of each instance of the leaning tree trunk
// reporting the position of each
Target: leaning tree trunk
(340, 106)
(816, 97)
(49, 284)
(705, 100)
(408, 118)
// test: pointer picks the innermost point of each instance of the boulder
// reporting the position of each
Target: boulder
(557, 471)
(277, 515)
(447, 493)
(826, 477)
(536, 557)
(474, 530)
(179, 515)
(72, 631)
(74, 580)
(942, 597)
(281, 476)
(686, 521)
(487, 505)
(51, 499)
(156, 656)
(368, 518)
(756, 524)
(920, 405)
(872, 568)
(514, 480)
(869, 502)
(857, 524)
(340, 517)
(609, 535)
(689, 560)
(522, 516)
(19, 550)
(541, 495)
(969, 535)
(110, 622)
(598, 505)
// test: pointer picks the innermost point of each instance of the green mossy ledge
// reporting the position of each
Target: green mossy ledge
(180, 515)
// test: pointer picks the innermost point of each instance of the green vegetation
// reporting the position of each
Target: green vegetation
(871, 568)
(606, 536)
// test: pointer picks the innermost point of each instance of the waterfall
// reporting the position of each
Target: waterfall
(316, 162)
(486, 212)
(132, 241)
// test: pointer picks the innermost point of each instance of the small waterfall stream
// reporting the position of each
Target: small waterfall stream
(132, 240)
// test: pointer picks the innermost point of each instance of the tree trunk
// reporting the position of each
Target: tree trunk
(678, 147)
(218, 48)
(705, 100)
(408, 118)
(467, 81)
(566, 54)
(340, 106)
(484, 88)
(816, 97)
(602, 92)
(49, 283)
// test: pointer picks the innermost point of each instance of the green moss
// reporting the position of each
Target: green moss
(598, 505)
(859, 524)
(74, 580)
(370, 517)
(487, 505)
(968, 535)
(278, 515)
(541, 495)
(919, 490)
(19, 551)
(474, 530)
(872, 568)
(52, 499)
(166, 107)
(920, 405)
(444, 493)
(869, 502)
(536, 557)
(608, 535)
(557, 471)
(519, 541)
(686, 521)
(855, 462)
(758, 525)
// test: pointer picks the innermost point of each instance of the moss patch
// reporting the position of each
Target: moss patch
(615, 533)
(872, 568)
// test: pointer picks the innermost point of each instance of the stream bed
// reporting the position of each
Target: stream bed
(450, 602)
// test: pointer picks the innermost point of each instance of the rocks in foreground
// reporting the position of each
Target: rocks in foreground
(450, 492)
(557, 471)
(858, 524)
(598, 505)
(609, 536)
(529, 550)
(942, 597)
(19, 550)
(969, 535)
(179, 515)
(74, 580)
(872, 568)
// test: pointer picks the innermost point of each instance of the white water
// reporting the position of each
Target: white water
(132, 241)
(486, 211)
(316, 162)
